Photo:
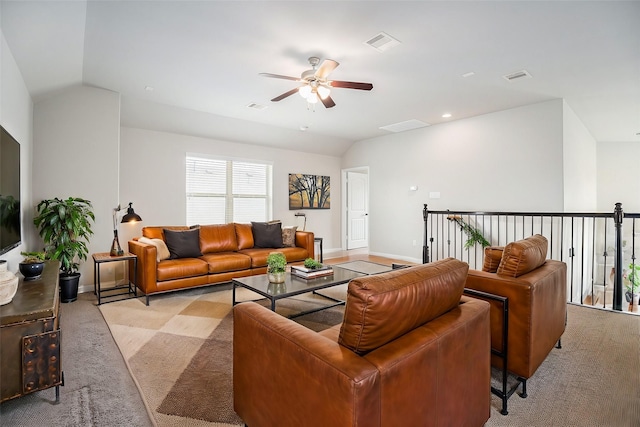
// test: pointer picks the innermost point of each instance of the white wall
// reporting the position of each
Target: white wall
(16, 116)
(508, 160)
(152, 171)
(579, 164)
(76, 140)
(618, 169)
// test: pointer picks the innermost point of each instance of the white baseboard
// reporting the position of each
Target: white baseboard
(398, 257)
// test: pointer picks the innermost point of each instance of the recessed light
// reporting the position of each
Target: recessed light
(304, 128)
(469, 74)
(148, 88)
(446, 115)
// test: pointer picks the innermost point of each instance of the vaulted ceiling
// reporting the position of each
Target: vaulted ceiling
(193, 66)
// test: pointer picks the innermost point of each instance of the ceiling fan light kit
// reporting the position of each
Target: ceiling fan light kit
(315, 84)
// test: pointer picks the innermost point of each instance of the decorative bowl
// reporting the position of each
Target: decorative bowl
(31, 270)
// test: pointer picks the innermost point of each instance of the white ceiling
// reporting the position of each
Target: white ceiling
(203, 58)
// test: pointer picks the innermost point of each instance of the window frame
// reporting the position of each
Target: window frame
(229, 197)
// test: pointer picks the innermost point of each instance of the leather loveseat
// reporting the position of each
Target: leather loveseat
(535, 289)
(410, 351)
(208, 254)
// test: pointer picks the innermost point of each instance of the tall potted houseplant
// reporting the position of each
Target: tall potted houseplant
(65, 227)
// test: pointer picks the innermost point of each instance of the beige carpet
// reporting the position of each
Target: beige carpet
(179, 349)
(179, 352)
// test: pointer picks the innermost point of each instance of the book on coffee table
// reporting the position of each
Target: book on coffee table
(311, 273)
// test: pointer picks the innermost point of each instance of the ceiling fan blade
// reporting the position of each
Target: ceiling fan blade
(278, 76)
(284, 95)
(327, 66)
(350, 85)
(328, 102)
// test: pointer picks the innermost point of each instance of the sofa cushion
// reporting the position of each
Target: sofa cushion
(289, 236)
(183, 244)
(172, 269)
(259, 255)
(492, 257)
(244, 236)
(157, 232)
(382, 307)
(267, 235)
(218, 238)
(523, 256)
(223, 262)
(162, 252)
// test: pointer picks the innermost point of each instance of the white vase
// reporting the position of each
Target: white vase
(8, 284)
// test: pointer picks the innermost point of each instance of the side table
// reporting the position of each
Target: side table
(125, 289)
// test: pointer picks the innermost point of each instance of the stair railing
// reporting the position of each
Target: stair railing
(597, 247)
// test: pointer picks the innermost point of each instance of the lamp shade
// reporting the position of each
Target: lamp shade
(304, 91)
(323, 91)
(131, 216)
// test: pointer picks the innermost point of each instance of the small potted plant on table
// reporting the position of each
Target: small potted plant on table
(32, 265)
(276, 267)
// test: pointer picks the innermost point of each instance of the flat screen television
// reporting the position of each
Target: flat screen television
(10, 226)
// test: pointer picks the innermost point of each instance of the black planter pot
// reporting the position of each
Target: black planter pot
(69, 287)
(31, 270)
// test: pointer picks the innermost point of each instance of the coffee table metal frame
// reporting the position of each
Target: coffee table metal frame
(294, 285)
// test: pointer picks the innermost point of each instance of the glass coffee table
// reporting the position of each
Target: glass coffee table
(294, 285)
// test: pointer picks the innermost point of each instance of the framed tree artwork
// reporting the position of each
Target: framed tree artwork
(309, 191)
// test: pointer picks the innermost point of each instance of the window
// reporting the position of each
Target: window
(220, 191)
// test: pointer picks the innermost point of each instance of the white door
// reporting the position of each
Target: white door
(357, 210)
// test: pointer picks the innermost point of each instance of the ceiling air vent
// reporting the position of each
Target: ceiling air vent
(256, 106)
(523, 74)
(404, 126)
(382, 42)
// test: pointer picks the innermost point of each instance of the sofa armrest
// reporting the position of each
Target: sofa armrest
(286, 374)
(537, 312)
(147, 266)
(304, 239)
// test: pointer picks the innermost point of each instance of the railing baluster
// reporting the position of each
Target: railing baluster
(576, 242)
(617, 287)
(582, 266)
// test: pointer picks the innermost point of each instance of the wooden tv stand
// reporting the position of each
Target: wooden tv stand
(30, 337)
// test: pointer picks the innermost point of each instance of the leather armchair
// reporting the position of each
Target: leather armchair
(410, 351)
(535, 288)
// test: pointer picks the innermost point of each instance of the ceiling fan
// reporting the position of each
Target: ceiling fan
(315, 83)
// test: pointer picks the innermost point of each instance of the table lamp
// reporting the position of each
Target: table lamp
(130, 216)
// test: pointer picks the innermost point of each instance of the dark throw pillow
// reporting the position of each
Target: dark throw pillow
(267, 235)
(183, 244)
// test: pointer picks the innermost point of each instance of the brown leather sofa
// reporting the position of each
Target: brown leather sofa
(227, 251)
(411, 350)
(535, 289)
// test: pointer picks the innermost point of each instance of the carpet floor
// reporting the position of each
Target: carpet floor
(98, 390)
(179, 349)
(179, 352)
